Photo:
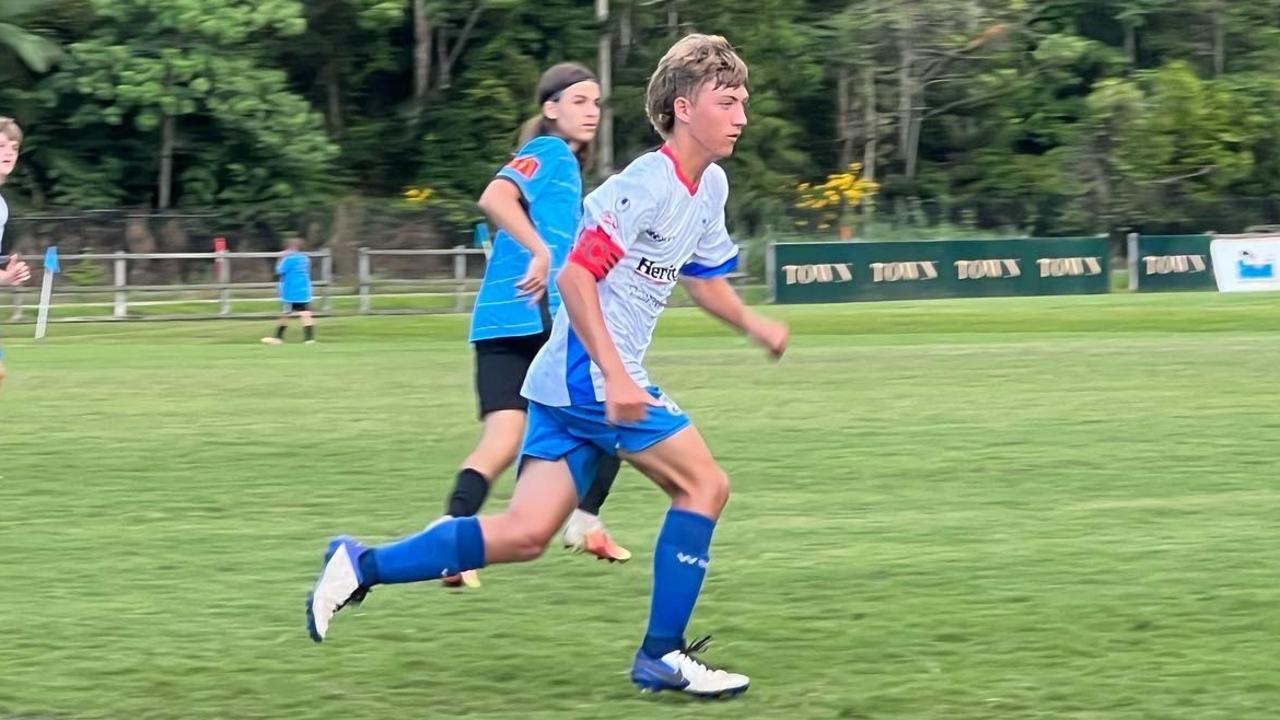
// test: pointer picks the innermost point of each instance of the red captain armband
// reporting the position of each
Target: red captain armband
(596, 251)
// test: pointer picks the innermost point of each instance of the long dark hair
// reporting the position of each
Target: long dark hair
(550, 85)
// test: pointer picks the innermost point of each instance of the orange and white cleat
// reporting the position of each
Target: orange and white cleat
(466, 578)
(585, 533)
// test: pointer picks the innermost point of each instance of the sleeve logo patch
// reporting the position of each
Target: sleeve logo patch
(609, 224)
(525, 165)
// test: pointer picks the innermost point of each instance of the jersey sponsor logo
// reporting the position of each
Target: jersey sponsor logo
(656, 237)
(637, 292)
(664, 273)
(525, 165)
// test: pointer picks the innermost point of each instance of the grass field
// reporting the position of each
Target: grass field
(953, 510)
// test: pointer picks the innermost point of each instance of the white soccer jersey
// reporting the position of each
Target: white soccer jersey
(666, 228)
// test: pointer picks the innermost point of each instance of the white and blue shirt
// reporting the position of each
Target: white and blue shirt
(667, 228)
(547, 173)
(4, 218)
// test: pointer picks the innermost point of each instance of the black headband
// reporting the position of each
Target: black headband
(571, 76)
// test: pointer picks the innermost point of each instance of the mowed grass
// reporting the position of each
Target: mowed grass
(1014, 508)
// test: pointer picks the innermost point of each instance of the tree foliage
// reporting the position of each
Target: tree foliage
(1026, 116)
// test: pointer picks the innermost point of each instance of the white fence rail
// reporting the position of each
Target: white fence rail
(454, 278)
(458, 284)
(220, 292)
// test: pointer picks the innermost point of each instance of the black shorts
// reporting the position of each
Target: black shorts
(293, 307)
(501, 364)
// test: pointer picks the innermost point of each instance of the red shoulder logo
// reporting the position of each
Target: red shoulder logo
(526, 165)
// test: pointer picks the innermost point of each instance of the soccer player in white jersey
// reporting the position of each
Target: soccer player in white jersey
(15, 272)
(659, 222)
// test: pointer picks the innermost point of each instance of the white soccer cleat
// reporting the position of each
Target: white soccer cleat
(680, 670)
(339, 585)
(272, 341)
(585, 533)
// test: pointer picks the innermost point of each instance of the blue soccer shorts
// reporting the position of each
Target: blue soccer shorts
(580, 435)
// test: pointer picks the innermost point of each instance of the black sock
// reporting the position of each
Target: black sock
(309, 331)
(469, 492)
(606, 471)
(280, 331)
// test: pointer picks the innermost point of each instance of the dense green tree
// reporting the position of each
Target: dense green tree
(990, 116)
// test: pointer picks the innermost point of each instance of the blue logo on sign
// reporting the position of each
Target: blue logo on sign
(1251, 268)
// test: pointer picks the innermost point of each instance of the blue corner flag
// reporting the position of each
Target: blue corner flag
(51, 260)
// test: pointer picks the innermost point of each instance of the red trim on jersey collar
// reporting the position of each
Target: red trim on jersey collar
(692, 187)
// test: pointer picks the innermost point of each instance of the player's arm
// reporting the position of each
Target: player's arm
(718, 298)
(593, 256)
(503, 202)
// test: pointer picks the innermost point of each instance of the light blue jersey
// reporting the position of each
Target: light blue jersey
(550, 180)
(294, 270)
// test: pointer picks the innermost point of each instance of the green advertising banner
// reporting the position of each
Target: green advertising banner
(849, 271)
(1160, 263)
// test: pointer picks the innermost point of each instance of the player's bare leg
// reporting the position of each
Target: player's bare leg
(543, 498)
(308, 326)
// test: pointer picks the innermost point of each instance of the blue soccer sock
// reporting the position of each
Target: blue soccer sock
(679, 565)
(446, 547)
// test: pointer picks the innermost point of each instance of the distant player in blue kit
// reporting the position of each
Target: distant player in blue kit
(15, 271)
(293, 270)
(536, 202)
(658, 222)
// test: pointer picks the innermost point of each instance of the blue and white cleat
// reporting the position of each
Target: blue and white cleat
(339, 585)
(680, 670)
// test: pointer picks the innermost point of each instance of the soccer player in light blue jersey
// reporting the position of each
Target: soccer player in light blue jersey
(657, 223)
(536, 202)
(294, 272)
(15, 272)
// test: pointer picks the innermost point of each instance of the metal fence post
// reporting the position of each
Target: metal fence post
(326, 274)
(17, 306)
(120, 267)
(459, 275)
(363, 277)
(1133, 262)
(770, 270)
